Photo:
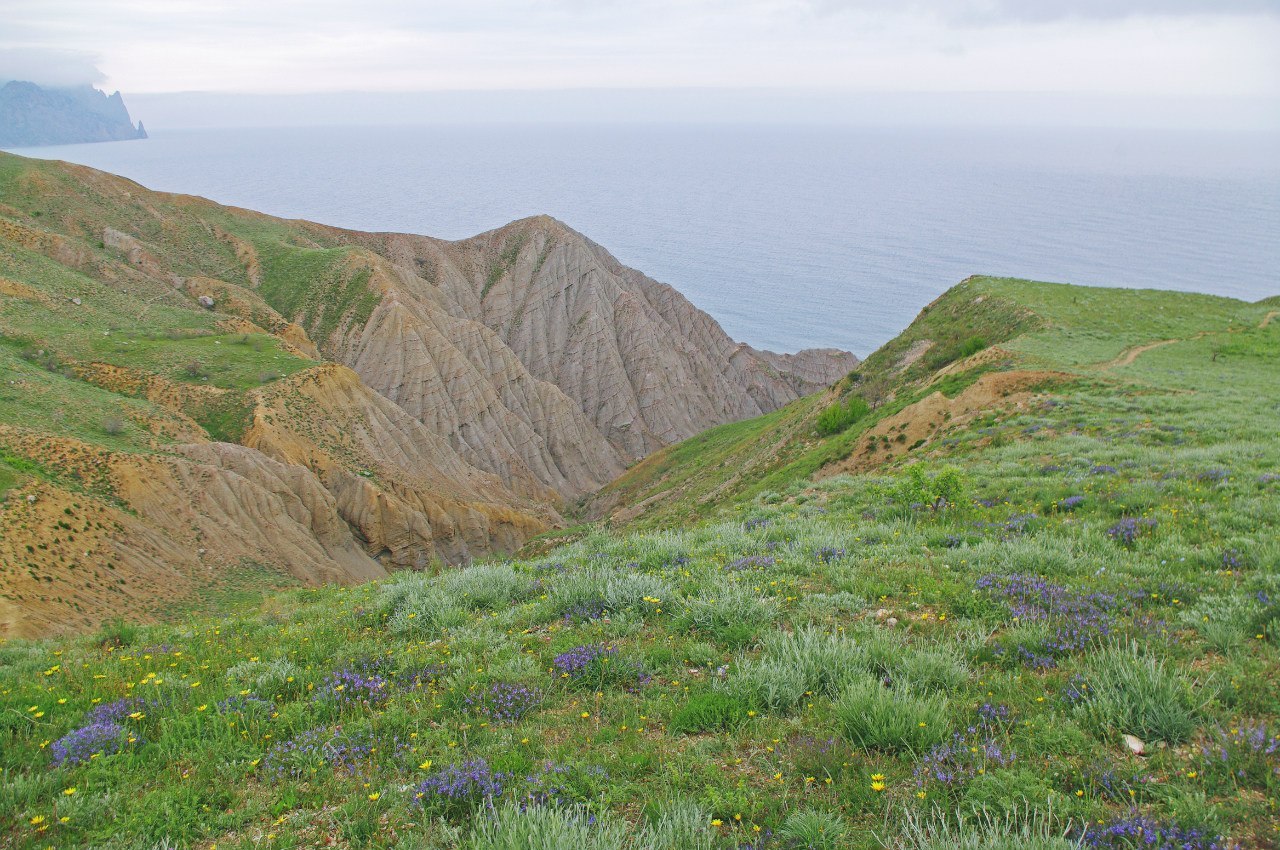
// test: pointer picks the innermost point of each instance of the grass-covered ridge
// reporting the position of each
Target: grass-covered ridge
(948, 650)
(1035, 335)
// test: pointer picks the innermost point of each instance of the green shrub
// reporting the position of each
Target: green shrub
(268, 679)
(679, 826)
(916, 487)
(578, 591)
(117, 632)
(416, 606)
(632, 592)
(708, 711)
(840, 415)
(970, 347)
(767, 684)
(1129, 691)
(875, 717)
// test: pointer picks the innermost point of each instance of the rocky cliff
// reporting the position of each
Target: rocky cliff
(32, 115)
(212, 387)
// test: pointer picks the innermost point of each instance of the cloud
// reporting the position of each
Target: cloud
(1047, 11)
(49, 66)
(1160, 47)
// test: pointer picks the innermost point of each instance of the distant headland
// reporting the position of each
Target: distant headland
(32, 115)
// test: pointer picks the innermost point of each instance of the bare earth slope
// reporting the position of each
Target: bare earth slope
(212, 387)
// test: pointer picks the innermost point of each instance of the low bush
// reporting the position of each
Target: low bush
(839, 416)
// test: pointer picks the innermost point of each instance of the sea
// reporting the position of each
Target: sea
(791, 237)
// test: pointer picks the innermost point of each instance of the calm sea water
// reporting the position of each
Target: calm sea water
(790, 237)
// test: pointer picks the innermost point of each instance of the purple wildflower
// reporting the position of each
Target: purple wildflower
(576, 662)
(1079, 619)
(1127, 530)
(1249, 753)
(592, 609)
(350, 687)
(116, 711)
(750, 562)
(1140, 831)
(317, 749)
(459, 787)
(965, 756)
(504, 702)
(100, 738)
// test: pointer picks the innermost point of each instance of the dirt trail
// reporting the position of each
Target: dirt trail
(1129, 355)
(1266, 320)
(922, 422)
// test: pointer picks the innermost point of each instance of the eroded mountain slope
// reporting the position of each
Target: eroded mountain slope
(423, 400)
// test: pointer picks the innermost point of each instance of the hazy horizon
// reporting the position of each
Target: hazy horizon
(203, 110)
(1209, 64)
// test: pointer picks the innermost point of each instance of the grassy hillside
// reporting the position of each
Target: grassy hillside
(933, 645)
(1035, 334)
(74, 305)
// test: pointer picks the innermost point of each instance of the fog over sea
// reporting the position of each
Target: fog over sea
(790, 237)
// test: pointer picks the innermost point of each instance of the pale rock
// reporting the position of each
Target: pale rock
(1135, 744)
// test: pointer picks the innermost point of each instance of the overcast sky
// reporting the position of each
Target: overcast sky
(1175, 48)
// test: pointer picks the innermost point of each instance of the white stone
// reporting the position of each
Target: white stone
(1135, 744)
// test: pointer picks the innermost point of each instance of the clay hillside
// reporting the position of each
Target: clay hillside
(193, 392)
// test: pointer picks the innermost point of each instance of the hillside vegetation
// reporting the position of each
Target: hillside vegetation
(1030, 599)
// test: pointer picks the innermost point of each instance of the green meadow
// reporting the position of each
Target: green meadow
(1052, 625)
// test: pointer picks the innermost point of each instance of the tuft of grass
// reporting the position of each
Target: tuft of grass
(709, 711)
(814, 829)
(872, 717)
(512, 827)
(117, 633)
(733, 617)
(1128, 690)
(1028, 829)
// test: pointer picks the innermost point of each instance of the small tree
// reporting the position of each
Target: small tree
(941, 491)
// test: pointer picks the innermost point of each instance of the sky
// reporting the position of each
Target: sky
(1197, 50)
(1174, 47)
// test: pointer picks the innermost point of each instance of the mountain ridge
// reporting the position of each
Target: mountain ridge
(427, 400)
